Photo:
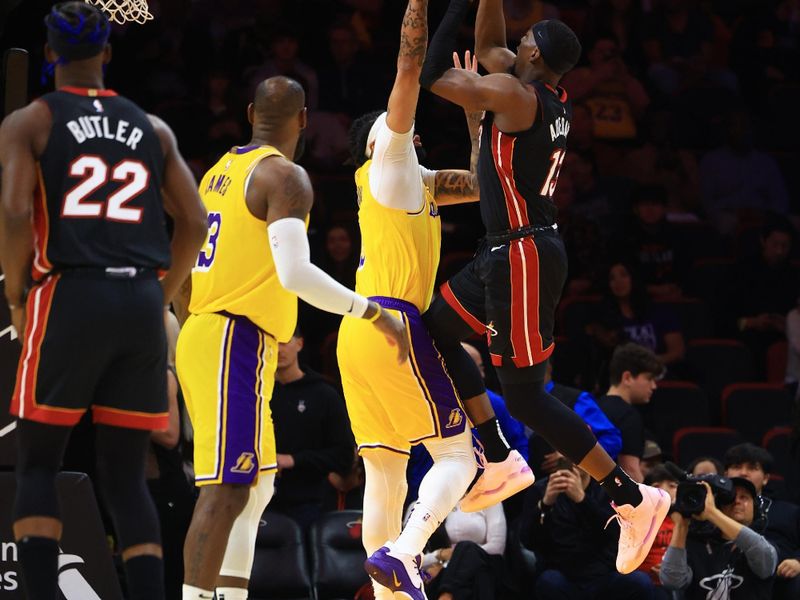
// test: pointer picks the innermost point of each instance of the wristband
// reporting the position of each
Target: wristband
(377, 314)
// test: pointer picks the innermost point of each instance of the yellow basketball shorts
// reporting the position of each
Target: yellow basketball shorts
(396, 406)
(226, 368)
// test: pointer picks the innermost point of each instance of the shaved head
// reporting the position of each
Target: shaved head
(277, 100)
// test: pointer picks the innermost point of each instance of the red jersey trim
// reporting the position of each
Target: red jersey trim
(447, 293)
(90, 92)
(503, 154)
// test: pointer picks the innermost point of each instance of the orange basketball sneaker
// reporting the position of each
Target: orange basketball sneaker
(638, 526)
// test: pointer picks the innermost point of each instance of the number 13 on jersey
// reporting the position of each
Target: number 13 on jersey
(206, 257)
(556, 160)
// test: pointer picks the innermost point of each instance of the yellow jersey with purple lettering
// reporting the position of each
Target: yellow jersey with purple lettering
(399, 249)
(235, 272)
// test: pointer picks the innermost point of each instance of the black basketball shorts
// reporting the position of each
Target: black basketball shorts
(94, 342)
(509, 292)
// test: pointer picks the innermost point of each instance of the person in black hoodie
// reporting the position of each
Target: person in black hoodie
(312, 436)
(564, 522)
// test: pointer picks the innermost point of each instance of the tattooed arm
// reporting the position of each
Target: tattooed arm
(413, 42)
(456, 186)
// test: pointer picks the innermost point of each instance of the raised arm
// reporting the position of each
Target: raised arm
(22, 133)
(490, 37)
(413, 43)
(287, 191)
(182, 202)
(503, 94)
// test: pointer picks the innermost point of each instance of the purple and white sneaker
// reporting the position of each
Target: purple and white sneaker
(396, 571)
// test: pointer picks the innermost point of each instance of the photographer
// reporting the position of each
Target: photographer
(730, 562)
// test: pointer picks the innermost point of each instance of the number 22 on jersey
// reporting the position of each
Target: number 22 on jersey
(95, 173)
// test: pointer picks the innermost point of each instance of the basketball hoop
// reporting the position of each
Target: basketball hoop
(121, 11)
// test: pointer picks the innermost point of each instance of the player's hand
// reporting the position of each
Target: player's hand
(470, 62)
(18, 319)
(395, 331)
(474, 118)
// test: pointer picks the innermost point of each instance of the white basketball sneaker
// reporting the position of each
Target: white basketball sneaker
(638, 526)
(498, 482)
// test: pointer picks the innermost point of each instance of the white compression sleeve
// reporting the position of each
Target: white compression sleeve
(292, 257)
(241, 548)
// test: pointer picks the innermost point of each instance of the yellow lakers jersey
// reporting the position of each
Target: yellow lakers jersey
(399, 250)
(234, 270)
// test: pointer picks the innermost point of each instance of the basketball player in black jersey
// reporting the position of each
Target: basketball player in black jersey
(509, 292)
(84, 238)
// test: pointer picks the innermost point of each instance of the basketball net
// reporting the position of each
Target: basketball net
(121, 11)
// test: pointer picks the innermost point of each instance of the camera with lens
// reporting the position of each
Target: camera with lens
(691, 496)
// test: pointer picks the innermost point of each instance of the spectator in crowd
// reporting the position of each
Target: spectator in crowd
(521, 13)
(738, 177)
(652, 242)
(652, 457)
(623, 19)
(347, 81)
(312, 436)
(707, 565)
(628, 314)
(285, 60)
(783, 518)
(564, 523)
(544, 459)
(471, 565)
(705, 465)
(765, 288)
(340, 254)
(659, 162)
(633, 372)
(678, 45)
(660, 477)
(615, 98)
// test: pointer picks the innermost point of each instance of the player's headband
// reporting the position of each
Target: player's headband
(76, 42)
(558, 44)
(373, 133)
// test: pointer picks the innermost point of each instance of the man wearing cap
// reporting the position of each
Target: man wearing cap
(733, 562)
(510, 290)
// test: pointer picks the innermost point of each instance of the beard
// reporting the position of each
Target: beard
(300, 149)
(421, 154)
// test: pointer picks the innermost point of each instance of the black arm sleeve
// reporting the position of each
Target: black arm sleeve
(439, 57)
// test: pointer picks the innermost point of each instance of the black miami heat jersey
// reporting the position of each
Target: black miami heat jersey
(518, 172)
(98, 200)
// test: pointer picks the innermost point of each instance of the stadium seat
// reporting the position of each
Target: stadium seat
(777, 441)
(675, 405)
(692, 442)
(337, 556)
(575, 313)
(280, 569)
(777, 355)
(716, 363)
(692, 315)
(754, 408)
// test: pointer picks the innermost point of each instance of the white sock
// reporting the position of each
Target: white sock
(229, 593)
(443, 485)
(192, 593)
